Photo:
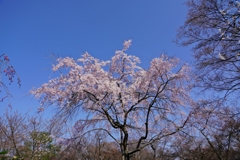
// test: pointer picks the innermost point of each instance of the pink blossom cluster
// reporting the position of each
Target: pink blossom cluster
(118, 87)
(8, 71)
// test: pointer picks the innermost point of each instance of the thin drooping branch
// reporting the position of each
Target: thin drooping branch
(122, 97)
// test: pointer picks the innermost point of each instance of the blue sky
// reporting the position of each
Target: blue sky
(30, 31)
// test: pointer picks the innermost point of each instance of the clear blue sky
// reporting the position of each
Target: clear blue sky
(31, 30)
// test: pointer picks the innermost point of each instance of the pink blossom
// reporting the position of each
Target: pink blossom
(127, 44)
(123, 93)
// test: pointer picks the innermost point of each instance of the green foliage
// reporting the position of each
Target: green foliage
(3, 154)
(40, 146)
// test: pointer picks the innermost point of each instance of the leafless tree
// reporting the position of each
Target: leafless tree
(212, 133)
(212, 29)
(13, 130)
(28, 137)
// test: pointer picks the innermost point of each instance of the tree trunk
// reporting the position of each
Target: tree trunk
(125, 157)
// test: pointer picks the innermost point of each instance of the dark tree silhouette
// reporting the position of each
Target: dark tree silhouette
(212, 28)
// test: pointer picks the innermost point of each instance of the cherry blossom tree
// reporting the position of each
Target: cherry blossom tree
(121, 98)
(9, 72)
